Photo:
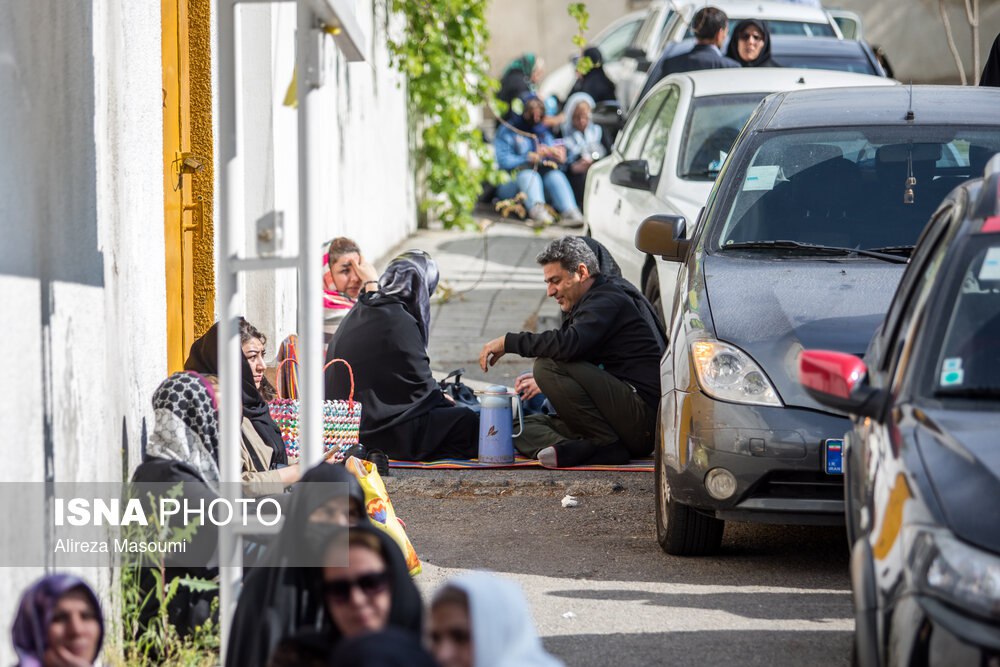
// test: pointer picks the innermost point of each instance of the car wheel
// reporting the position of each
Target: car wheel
(680, 530)
(651, 290)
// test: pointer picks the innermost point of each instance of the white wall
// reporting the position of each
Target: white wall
(544, 28)
(913, 36)
(81, 265)
(367, 191)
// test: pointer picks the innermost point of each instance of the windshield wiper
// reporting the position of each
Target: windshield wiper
(969, 392)
(901, 250)
(763, 245)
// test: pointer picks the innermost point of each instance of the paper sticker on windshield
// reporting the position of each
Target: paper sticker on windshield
(761, 178)
(991, 265)
(951, 372)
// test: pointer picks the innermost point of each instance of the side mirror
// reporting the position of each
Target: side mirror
(663, 235)
(635, 52)
(609, 115)
(632, 174)
(837, 380)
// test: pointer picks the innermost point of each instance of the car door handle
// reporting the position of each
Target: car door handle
(618, 206)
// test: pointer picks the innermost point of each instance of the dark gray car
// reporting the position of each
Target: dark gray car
(801, 245)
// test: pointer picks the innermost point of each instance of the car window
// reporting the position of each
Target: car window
(908, 285)
(713, 125)
(613, 45)
(655, 147)
(967, 364)
(871, 188)
(902, 345)
(859, 64)
(799, 28)
(634, 134)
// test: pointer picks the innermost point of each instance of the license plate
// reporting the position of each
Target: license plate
(833, 457)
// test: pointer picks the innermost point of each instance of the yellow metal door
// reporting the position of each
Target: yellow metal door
(184, 206)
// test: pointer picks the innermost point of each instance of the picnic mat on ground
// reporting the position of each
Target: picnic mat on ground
(636, 465)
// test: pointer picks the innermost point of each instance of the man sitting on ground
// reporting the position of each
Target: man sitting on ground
(599, 370)
(710, 26)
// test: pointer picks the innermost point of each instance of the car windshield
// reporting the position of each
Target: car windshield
(871, 188)
(613, 45)
(858, 64)
(969, 365)
(775, 27)
(715, 123)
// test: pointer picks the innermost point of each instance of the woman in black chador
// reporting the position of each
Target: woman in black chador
(384, 338)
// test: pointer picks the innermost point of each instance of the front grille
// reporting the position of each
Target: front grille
(800, 484)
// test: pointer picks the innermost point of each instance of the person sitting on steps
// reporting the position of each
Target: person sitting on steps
(599, 370)
(525, 147)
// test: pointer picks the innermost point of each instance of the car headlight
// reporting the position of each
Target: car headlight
(955, 572)
(727, 373)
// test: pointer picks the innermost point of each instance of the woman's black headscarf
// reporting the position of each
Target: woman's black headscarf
(411, 279)
(277, 600)
(763, 58)
(406, 610)
(389, 648)
(204, 358)
(991, 73)
(595, 82)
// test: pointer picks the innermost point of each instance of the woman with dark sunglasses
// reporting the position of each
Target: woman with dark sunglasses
(372, 592)
(750, 45)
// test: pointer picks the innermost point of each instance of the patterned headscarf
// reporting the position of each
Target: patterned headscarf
(412, 278)
(34, 615)
(187, 424)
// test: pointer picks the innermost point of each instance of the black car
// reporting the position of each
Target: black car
(803, 241)
(922, 457)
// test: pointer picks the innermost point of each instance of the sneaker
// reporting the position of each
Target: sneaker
(540, 214)
(380, 460)
(571, 218)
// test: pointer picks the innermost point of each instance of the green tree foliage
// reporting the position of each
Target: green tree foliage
(442, 52)
(578, 12)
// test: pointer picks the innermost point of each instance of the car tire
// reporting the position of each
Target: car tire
(651, 290)
(681, 530)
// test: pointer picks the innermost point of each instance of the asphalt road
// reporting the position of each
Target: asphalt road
(601, 590)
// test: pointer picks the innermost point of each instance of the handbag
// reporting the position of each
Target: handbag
(380, 511)
(341, 419)
(462, 393)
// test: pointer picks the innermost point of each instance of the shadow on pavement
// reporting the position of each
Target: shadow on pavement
(744, 648)
(612, 538)
(758, 605)
(500, 248)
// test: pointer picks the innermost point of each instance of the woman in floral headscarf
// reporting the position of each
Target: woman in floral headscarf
(184, 447)
(58, 624)
(384, 338)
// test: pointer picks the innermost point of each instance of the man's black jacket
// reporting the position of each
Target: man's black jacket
(606, 329)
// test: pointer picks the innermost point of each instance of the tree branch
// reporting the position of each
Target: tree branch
(951, 42)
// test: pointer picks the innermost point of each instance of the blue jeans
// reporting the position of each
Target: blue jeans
(552, 186)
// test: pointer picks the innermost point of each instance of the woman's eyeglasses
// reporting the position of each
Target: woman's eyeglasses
(339, 590)
(747, 36)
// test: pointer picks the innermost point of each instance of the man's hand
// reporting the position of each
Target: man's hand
(526, 386)
(491, 353)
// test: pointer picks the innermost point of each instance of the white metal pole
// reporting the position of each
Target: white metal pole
(230, 219)
(308, 40)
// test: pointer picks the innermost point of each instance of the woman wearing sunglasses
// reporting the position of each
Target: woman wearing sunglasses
(751, 44)
(373, 592)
